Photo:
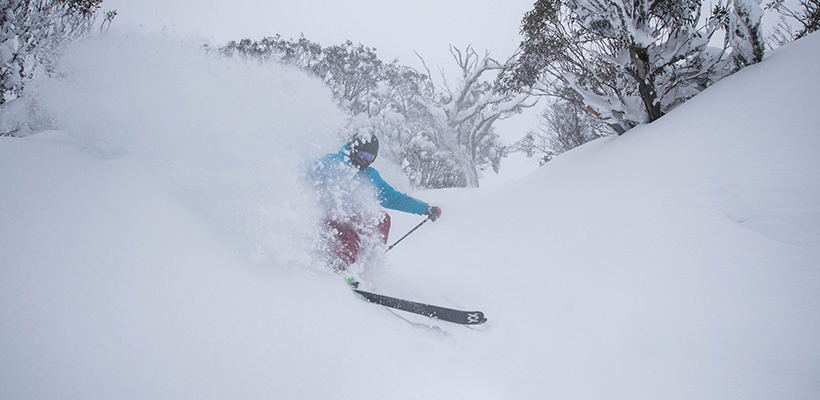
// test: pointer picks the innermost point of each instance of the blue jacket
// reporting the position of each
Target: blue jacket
(333, 170)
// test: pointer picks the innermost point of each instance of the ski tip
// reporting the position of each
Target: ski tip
(475, 318)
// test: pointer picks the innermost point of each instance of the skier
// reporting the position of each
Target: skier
(350, 192)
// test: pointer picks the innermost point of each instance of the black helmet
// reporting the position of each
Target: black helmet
(363, 147)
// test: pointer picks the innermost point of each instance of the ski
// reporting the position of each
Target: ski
(436, 312)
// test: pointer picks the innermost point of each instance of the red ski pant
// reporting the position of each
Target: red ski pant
(345, 240)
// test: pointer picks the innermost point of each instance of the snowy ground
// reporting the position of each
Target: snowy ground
(155, 246)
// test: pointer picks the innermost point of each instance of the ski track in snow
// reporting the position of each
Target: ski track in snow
(157, 246)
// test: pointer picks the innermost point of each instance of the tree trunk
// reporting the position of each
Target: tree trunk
(646, 82)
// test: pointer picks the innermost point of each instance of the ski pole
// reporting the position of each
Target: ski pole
(406, 235)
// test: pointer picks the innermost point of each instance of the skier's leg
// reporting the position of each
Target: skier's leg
(343, 246)
(384, 227)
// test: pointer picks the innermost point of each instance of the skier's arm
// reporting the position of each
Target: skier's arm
(393, 199)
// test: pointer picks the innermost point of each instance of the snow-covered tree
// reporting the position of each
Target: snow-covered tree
(31, 31)
(630, 61)
(352, 72)
(561, 127)
(745, 33)
(470, 108)
(742, 21)
(808, 17)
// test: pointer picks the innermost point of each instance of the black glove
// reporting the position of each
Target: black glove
(433, 213)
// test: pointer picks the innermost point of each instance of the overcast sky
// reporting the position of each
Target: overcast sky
(395, 28)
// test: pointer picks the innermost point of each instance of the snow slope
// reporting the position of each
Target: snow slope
(155, 246)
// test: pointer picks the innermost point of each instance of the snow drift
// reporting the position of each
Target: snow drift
(154, 247)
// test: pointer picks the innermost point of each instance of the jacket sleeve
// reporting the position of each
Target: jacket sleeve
(392, 198)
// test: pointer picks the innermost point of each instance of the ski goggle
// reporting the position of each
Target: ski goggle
(365, 156)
